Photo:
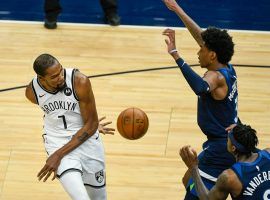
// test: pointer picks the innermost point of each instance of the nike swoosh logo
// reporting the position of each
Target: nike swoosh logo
(41, 95)
(206, 148)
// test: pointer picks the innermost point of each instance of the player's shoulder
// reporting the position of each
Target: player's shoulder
(29, 93)
(228, 178)
(215, 76)
(267, 149)
(229, 181)
(80, 79)
(214, 73)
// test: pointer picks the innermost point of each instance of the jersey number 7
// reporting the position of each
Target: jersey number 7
(64, 120)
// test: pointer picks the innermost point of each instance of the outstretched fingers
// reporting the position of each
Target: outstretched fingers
(102, 118)
(168, 31)
(170, 4)
(109, 131)
(41, 172)
(48, 175)
(105, 123)
(45, 173)
(170, 34)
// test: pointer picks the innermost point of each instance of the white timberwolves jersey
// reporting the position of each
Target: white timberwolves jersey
(62, 116)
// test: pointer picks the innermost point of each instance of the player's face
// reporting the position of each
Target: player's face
(204, 56)
(55, 77)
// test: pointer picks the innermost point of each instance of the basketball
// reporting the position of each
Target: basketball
(132, 123)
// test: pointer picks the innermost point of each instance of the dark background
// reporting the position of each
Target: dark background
(229, 14)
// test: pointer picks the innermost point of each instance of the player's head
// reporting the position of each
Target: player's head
(49, 70)
(242, 140)
(218, 46)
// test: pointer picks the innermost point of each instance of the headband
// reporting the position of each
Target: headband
(238, 146)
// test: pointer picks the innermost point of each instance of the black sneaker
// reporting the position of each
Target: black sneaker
(50, 24)
(112, 19)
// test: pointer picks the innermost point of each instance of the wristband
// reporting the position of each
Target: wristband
(172, 51)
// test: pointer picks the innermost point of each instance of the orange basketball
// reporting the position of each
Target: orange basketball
(132, 123)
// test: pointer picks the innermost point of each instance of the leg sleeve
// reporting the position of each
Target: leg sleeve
(96, 193)
(73, 185)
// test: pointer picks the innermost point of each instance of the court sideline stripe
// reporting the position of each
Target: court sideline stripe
(142, 70)
(124, 26)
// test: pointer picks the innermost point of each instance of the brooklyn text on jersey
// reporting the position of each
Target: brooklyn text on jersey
(58, 105)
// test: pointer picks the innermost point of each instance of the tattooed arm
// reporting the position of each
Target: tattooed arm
(220, 191)
(90, 118)
(226, 183)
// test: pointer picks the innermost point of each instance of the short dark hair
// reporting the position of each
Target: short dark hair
(246, 136)
(219, 41)
(43, 62)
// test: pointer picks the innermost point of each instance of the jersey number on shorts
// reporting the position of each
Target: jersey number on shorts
(64, 120)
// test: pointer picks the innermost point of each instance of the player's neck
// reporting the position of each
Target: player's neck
(244, 158)
(215, 66)
(46, 86)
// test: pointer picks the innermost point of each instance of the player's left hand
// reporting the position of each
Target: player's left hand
(229, 128)
(50, 167)
(170, 41)
(102, 127)
(189, 156)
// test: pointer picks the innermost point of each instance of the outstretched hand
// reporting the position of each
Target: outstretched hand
(50, 167)
(189, 156)
(170, 41)
(103, 129)
(171, 4)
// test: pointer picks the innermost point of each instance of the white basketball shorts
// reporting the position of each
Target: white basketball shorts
(88, 158)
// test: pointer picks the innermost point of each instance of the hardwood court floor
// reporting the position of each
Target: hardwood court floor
(146, 169)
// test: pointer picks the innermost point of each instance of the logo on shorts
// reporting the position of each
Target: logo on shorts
(67, 91)
(99, 176)
(41, 95)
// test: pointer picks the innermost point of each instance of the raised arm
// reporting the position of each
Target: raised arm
(197, 84)
(224, 182)
(193, 28)
(90, 118)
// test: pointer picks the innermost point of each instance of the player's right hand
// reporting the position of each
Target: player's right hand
(50, 167)
(189, 156)
(171, 4)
